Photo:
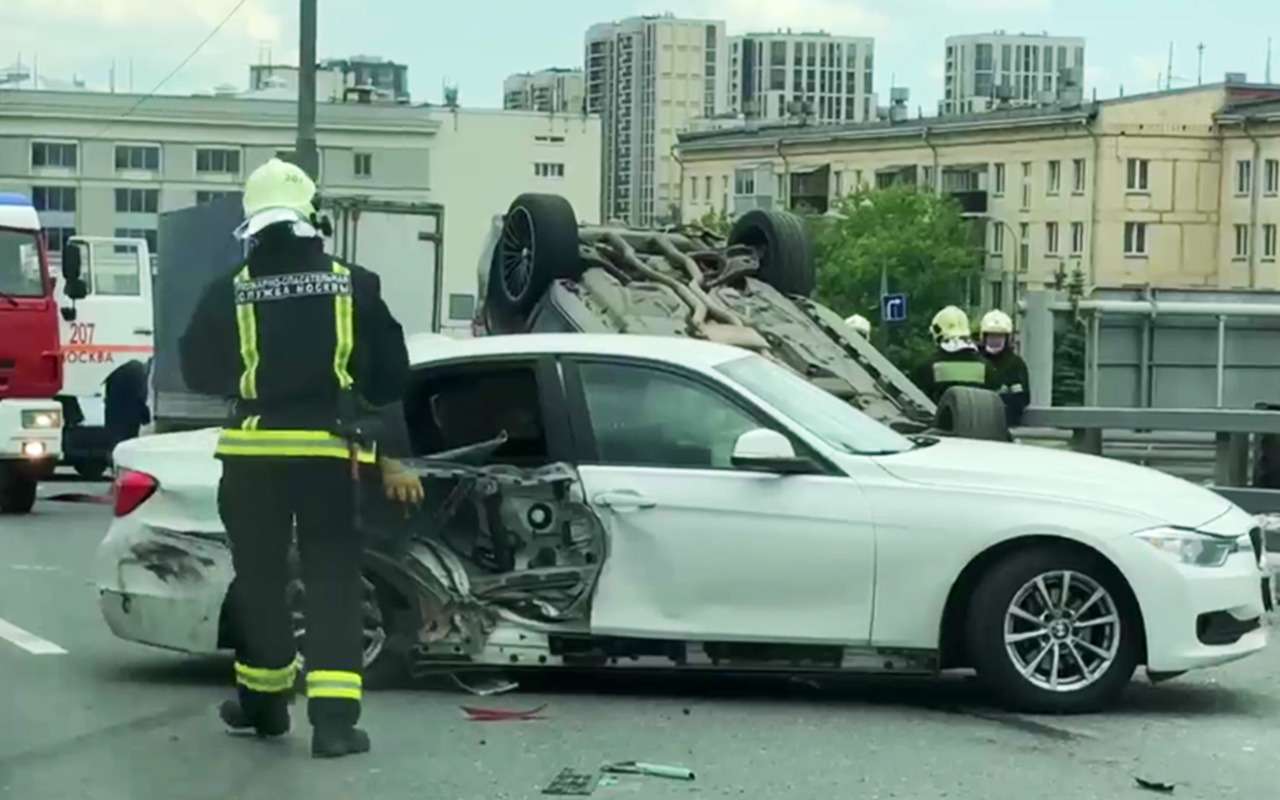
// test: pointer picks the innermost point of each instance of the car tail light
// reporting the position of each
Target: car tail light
(131, 490)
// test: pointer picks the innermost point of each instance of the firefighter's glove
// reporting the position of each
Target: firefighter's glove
(401, 485)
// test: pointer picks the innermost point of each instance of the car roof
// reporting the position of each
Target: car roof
(427, 349)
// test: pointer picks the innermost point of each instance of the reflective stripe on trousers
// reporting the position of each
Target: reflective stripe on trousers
(335, 684)
(972, 372)
(267, 681)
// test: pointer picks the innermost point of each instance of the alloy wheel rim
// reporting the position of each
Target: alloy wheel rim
(516, 252)
(1062, 631)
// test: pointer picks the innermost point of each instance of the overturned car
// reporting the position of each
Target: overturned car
(542, 272)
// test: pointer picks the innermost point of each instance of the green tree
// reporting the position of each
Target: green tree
(716, 221)
(922, 243)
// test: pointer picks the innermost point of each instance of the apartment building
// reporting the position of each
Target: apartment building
(814, 77)
(997, 70)
(1174, 189)
(557, 90)
(648, 77)
(100, 164)
(386, 80)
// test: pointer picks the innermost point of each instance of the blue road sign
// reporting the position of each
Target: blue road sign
(893, 308)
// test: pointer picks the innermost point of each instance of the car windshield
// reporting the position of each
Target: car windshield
(20, 274)
(824, 415)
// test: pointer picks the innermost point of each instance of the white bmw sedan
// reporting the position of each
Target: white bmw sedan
(629, 502)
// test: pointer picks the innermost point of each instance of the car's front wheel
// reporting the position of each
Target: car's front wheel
(1053, 630)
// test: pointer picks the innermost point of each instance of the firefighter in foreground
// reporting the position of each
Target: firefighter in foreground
(956, 361)
(306, 346)
(1012, 379)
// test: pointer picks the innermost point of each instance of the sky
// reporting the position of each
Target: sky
(475, 44)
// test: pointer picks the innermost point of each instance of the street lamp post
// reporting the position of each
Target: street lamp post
(1018, 266)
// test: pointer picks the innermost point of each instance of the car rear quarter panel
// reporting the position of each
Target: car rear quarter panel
(927, 535)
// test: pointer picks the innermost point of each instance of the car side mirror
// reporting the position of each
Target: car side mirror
(763, 450)
(71, 263)
(76, 289)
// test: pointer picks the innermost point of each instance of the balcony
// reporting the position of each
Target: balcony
(972, 202)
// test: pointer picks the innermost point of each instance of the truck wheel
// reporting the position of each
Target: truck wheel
(539, 245)
(786, 258)
(973, 413)
(17, 491)
(1052, 629)
(90, 469)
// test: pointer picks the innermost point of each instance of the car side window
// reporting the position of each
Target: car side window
(641, 416)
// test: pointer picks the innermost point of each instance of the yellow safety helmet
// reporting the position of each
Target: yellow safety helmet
(995, 321)
(275, 192)
(860, 324)
(949, 323)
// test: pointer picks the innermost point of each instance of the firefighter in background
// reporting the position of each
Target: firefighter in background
(956, 360)
(305, 345)
(860, 324)
(1012, 379)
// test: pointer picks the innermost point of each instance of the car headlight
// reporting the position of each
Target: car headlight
(1191, 547)
(41, 420)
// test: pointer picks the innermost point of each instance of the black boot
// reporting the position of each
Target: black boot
(270, 719)
(335, 742)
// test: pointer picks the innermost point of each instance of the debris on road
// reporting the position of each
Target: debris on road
(502, 714)
(655, 770)
(571, 783)
(1155, 786)
(484, 686)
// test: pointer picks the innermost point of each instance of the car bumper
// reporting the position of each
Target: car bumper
(35, 446)
(162, 588)
(1195, 616)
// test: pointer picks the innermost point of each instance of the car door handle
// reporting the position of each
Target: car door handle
(623, 500)
(143, 331)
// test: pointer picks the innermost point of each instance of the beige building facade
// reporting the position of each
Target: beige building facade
(1138, 191)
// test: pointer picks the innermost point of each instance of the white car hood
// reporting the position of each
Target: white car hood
(1063, 475)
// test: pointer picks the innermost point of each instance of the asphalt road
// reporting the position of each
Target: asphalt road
(113, 721)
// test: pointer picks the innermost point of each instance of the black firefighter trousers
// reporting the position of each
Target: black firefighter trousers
(260, 501)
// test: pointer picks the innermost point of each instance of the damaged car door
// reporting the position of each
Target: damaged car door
(702, 550)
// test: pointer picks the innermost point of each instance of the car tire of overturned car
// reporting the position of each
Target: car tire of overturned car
(538, 246)
(17, 490)
(1053, 629)
(786, 257)
(972, 413)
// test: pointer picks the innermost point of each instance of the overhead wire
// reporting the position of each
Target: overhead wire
(212, 33)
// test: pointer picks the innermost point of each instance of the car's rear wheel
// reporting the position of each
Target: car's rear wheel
(382, 668)
(973, 413)
(17, 491)
(1053, 629)
(786, 257)
(538, 245)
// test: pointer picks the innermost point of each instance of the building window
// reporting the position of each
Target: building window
(997, 237)
(744, 182)
(137, 201)
(1269, 241)
(1026, 184)
(54, 154)
(220, 161)
(1244, 178)
(707, 186)
(1242, 241)
(204, 197)
(998, 191)
(138, 156)
(363, 165)
(1077, 238)
(1135, 238)
(1271, 172)
(1077, 176)
(724, 193)
(1051, 238)
(56, 238)
(1055, 177)
(1137, 175)
(693, 190)
(1024, 245)
(547, 169)
(53, 198)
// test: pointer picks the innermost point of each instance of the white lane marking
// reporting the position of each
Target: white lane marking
(34, 568)
(29, 641)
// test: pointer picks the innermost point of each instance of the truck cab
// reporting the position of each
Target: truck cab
(107, 344)
(30, 359)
